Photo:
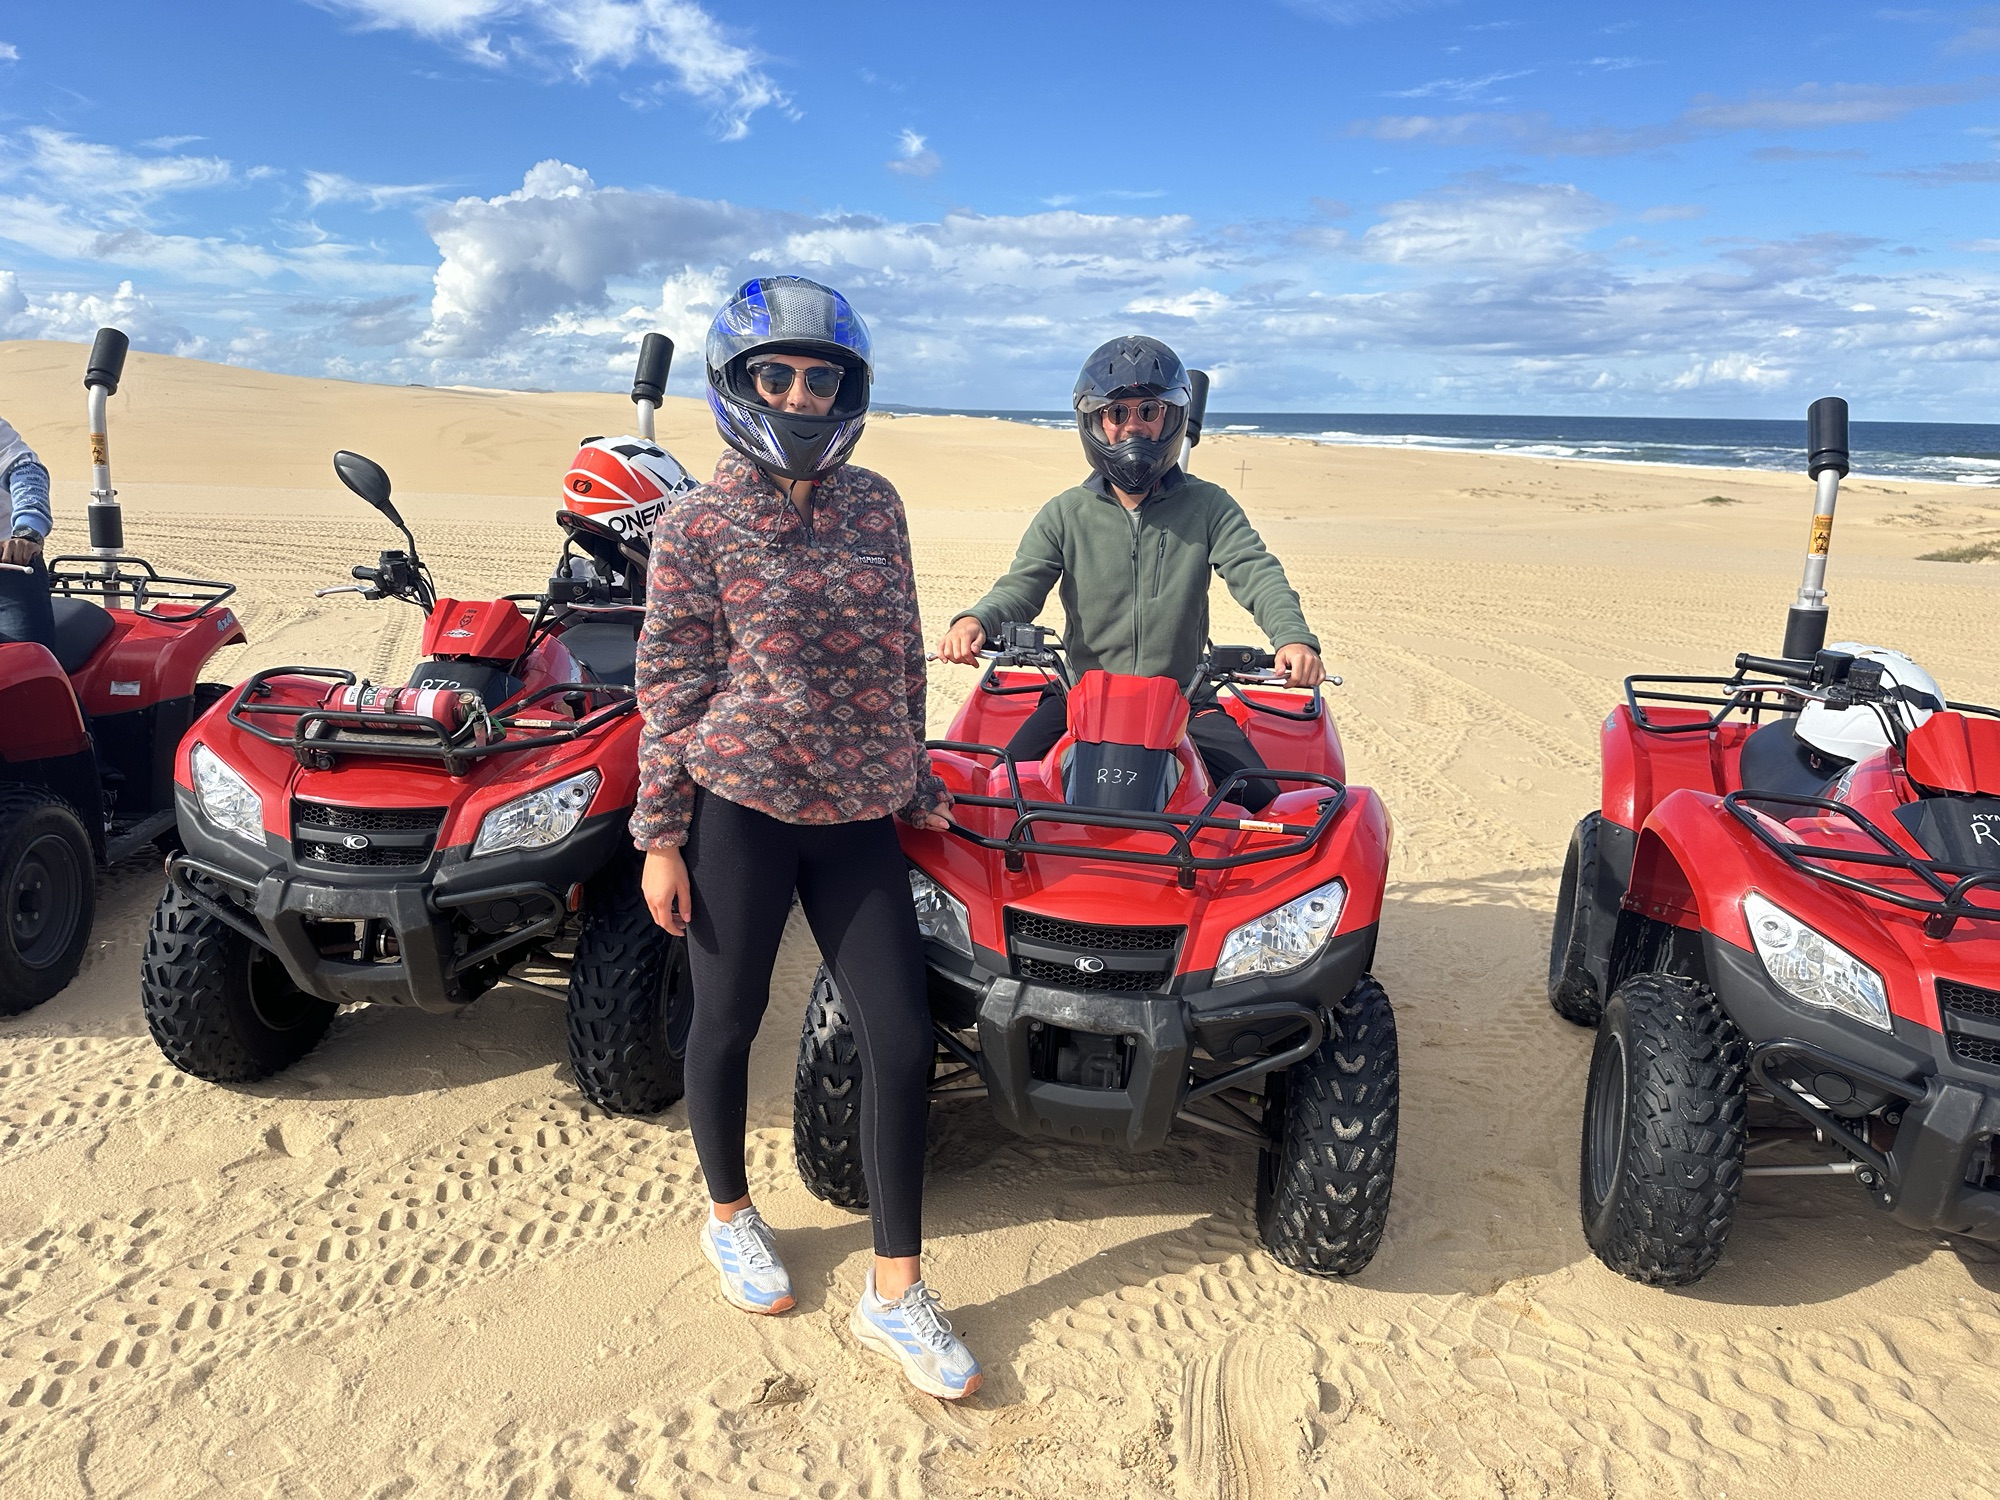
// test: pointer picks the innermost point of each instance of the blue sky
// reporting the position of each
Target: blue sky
(1389, 205)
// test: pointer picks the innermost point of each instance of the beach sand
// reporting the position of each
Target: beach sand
(419, 1264)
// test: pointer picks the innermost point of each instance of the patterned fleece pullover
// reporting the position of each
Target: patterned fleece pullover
(781, 665)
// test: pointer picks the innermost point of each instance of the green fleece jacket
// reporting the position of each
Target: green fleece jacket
(1135, 597)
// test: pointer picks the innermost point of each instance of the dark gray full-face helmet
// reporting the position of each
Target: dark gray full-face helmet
(788, 315)
(1132, 368)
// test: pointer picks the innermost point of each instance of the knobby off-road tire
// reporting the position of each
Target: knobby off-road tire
(1323, 1184)
(1663, 1131)
(220, 1006)
(1572, 991)
(48, 896)
(826, 1101)
(630, 1002)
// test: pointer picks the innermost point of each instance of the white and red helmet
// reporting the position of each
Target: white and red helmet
(624, 483)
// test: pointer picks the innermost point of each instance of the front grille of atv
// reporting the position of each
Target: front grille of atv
(1085, 938)
(1976, 1049)
(1154, 946)
(398, 837)
(1968, 1000)
(1125, 981)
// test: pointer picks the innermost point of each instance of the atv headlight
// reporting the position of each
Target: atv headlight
(538, 819)
(1811, 969)
(940, 915)
(1281, 940)
(225, 797)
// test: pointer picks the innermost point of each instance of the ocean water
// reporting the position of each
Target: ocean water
(1940, 452)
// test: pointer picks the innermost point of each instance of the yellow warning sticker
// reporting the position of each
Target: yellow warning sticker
(100, 449)
(1822, 536)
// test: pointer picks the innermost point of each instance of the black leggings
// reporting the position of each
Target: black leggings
(1223, 745)
(854, 886)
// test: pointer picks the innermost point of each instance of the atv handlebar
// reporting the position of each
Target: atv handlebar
(1776, 666)
(107, 361)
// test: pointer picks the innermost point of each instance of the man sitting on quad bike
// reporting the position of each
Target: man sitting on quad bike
(1133, 546)
(25, 612)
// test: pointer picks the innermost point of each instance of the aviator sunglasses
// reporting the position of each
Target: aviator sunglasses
(775, 379)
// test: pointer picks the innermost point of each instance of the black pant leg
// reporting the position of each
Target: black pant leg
(742, 865)
(1039, 732)
(1225, 748)
(25, 612)
(854, 887)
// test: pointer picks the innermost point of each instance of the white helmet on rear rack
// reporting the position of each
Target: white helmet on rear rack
(1853, 734)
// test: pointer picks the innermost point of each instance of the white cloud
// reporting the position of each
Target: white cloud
(1483, 222)
(1810, 106)
(913, 158)
(585, 36)
(91, 170)
(1457, 88)
(1487, 290)
(332, 187)
(9, 52)
(86, 201)
(1361, 12)
(76, 317)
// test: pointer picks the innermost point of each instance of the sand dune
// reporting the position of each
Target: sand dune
(419, 1264)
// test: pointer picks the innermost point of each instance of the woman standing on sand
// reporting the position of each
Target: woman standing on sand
(781, 673)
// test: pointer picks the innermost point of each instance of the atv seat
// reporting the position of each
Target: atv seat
(80, 629)
(1775, 759)
(607, 647)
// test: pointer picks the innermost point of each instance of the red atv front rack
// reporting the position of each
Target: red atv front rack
(417, 736)
(1952, 883)
(1179, 827)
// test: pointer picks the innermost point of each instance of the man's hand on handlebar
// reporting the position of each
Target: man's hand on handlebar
(961, 643)
(21, 551)
(1301, 665)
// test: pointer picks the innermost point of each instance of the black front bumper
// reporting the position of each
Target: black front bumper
(453, 919)
(1237, 1033)
(1935, 1171)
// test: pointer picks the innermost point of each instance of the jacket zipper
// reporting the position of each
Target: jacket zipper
(1159, 564)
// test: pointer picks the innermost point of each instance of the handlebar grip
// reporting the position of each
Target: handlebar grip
(1775, 666)
(656, 357)
(1197, 404)
(1826, 436)
(107, 360)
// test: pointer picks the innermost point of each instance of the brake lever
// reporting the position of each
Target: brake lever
(349, 588)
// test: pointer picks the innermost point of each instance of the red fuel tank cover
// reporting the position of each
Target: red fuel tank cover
(1955, 753)
(1117, 710)
(489, 629)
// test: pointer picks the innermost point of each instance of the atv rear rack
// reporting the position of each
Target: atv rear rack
(148, 587)
(1953, 884)
(1750, 697)
(1178, 827)
(416, 736)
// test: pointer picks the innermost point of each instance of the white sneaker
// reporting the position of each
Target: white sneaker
(745, 1255)
(912, 1330)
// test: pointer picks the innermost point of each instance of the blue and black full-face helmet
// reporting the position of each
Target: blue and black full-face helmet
(788, 315)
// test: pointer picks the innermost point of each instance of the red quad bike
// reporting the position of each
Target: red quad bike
(87, 731)
(1785, 954)
(1115, 946)
(416, 844)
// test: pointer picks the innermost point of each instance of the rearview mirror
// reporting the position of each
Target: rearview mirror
(369, 480)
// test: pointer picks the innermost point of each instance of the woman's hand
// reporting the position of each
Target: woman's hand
(669, 895)
(937, 820)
